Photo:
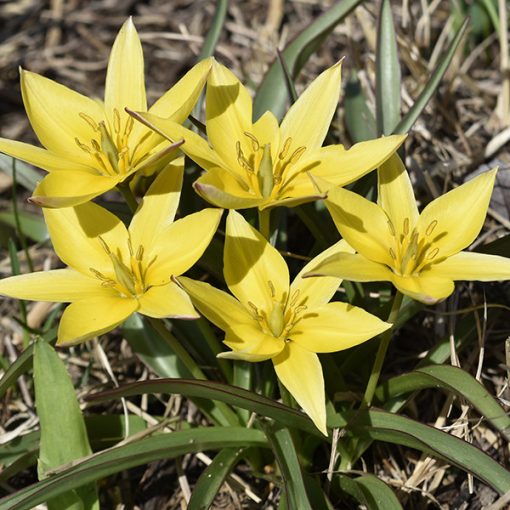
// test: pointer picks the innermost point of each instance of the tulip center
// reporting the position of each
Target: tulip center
(129, 278)
(109, 148)
(261, 174)
(279, 320)
(413, 251)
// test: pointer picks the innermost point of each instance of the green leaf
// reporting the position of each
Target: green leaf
(213, 35)
(213, 477)
(410, 117)
(451, 379)
(272, 93)
(370, 491)
(32, 225)
(25, 174)
(63, 434)
(387, 96)
(215, 391)
(287, 459)
(382, 426)
(500, 246)
(22, 364)
(128, 455)
(359, 119)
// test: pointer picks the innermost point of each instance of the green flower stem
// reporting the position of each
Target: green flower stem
(215, 346)
(381, 352)
(265, 223)
(178, 349)
(128, 195)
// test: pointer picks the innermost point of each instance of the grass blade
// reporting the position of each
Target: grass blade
(272, 93)
(410, 117)
(370, 491)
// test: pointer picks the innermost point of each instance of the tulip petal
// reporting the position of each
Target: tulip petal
(472, 266)
(319, 290)
(156, 211)
(253, 268)
(396, 195)
(125, 82)
(85, 319)
(220, 308)
(41, 158)
(181, 244)
(335, 326)
(341, 167)
(57, 285)
(292, 366)
(267, 131)
(363, 224)
(194, 145)
(352, 267)
(222, 189)
(425, 288)
(249, 343)
(179, 100)
(308, 119)
(167, 301)
(54, 113)
(67, 189)
(74, 232)
(228, 114)
(452, 221)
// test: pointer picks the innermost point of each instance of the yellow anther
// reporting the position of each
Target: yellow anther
(139, 253)
(297, 154)
(129, 126)
(391, 228)
(96, 146)
(254, 142)
(433, 253)
(83, 146)
(89, 120)
(285, 149)
(271, 289)
(392, 254)
(105, 247)
(116, 120)
(406, 226)
(431, 227)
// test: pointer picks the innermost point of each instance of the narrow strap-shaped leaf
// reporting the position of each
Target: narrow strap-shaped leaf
(359, 119)
(128, 455)
(213, 477)
(27, 176)
(287, 458)
(215, 391)
(452, 379)
(410, 117)
(370, 491)
(63, 433)
(213, 35)
(272, 93)
(382, 426)
(387, 73)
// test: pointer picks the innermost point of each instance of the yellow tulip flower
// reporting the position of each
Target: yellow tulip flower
(263, 164)
(419, 253)
(271, 318)
(114, 271)
(91, 146)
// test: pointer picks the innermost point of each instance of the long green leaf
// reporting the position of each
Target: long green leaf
(26, 175)
(215, 391)
(31, 225)
(63, 433)
(287, 459)
(119, 458)
(387, 73)
(370, 491)
(383, 426)
(213, 477)
(410, 118)
(359, 119)
(272, 93)
(452, 379)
